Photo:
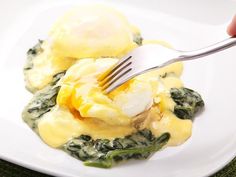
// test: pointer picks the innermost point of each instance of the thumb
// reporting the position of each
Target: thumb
(231, 30)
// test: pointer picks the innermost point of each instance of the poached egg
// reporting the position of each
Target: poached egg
(93, 31)
(80, 91)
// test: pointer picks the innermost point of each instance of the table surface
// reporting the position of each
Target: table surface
(8, 169)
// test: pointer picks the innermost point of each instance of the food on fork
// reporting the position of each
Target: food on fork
(70, 111)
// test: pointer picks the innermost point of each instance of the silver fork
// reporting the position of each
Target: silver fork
(153, 56)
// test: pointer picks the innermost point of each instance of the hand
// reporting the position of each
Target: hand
(232, 27)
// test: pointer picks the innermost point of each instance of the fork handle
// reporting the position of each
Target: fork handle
(225, 44)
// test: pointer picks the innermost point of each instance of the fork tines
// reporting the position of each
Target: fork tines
(116, 72)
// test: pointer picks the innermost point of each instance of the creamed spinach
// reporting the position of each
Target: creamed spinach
(188, 102)
(105, 153)
(42, 102)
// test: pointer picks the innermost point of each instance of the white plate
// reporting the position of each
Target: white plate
(186, 25)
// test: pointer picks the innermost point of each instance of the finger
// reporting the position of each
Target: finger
(232, 27)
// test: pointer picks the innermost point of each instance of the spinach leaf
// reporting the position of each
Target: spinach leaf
(32, 53)
(105, 153)
(137, 38)
(188, 102)
(42, 102)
